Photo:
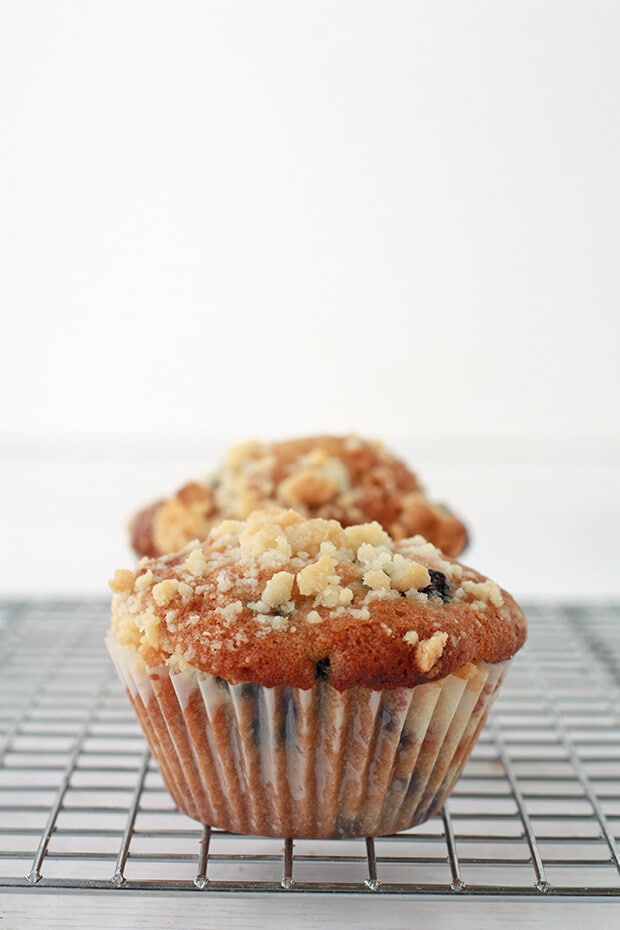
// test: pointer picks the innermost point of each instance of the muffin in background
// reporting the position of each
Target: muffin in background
(295, 678)
(342, 478)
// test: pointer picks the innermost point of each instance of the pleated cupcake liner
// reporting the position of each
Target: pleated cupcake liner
(315, 763)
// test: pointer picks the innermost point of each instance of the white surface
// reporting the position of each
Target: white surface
(282, 217)
(33, 910)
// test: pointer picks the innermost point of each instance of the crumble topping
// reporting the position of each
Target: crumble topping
(485, 592)
(385, 569)
(317, 478)
(278, 589)
(429, 651)
(182, 517)
(145, 580)
(344, 478)
(376, 579)
(273, 621)
(164, 591)
(196, 563)
(231, 611)
(279, 576)
(321, 579)
(224, 581)
(123, 580)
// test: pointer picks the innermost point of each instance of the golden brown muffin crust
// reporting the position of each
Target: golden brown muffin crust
(342, 478)
(282, 600)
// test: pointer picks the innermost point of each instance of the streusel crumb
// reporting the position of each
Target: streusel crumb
(347, 479)
(267, 598)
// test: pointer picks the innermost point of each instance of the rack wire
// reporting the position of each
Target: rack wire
(82, 805)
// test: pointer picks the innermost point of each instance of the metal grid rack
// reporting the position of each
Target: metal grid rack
(82, 805)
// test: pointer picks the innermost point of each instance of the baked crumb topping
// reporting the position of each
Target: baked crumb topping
(123, 580)
(278, 589)
(429, 651)
(348, 479)
(307, 584)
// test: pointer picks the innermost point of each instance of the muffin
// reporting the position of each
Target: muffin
(297, 678)
(340, 478)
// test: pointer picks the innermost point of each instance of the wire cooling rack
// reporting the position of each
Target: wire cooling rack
(82, 805)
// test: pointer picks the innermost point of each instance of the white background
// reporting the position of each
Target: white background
(233, 219)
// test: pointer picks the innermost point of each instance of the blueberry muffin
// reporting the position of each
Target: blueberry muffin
(339, 478)
(298, 678)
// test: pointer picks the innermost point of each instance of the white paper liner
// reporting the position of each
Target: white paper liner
(318, 763)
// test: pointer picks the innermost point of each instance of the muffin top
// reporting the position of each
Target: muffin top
(341, 478)
(278, 599)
